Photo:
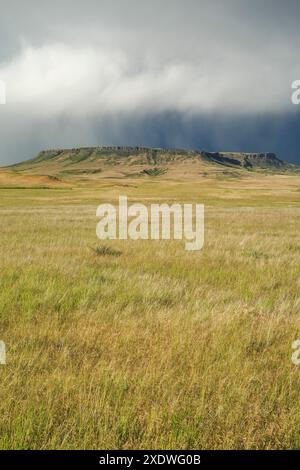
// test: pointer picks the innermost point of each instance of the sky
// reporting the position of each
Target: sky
(211, 75)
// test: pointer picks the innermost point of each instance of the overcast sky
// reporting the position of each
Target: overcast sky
(206, 74)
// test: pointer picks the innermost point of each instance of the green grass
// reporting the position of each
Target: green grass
(143, 344)
(154, 171)
(106, 251)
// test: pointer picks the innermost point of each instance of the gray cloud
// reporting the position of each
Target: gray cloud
(88, 73)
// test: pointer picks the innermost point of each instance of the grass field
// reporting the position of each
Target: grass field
(157, 347)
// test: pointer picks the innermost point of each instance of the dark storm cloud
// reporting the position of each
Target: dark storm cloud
(206, 74)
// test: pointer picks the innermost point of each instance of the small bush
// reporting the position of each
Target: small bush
(154, 171)
(106, 251)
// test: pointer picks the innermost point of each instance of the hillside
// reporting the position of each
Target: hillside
(143, 155)
(65, 166)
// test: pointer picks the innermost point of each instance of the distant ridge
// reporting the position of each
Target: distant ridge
(61, 166)
(157, 156)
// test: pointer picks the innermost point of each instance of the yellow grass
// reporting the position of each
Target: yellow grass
(158, 347)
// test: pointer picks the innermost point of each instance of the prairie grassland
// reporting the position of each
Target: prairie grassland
(158, 347)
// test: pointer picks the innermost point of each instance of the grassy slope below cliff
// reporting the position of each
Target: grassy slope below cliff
(64, 167)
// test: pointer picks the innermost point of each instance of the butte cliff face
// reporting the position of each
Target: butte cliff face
(246, 160)
(64, 166)
(142, 155)
(94, 163)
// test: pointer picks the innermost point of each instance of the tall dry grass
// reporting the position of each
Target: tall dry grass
(156, 347)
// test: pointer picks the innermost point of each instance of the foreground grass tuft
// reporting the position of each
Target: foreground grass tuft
(106, 251)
